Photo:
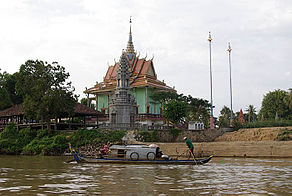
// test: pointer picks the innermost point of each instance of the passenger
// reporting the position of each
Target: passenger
(104, 150)
(158, 153)
(190, 146)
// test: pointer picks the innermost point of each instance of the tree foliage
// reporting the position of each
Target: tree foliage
(198, 110)
(163, 97)
(273, 105)
(288, 99)
(224, 118)
(175, 111)
(47, 94)
(8, 94)
(251, 113)
(195, 109)
(86, 101)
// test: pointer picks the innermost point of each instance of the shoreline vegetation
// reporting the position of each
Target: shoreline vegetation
(238, 143)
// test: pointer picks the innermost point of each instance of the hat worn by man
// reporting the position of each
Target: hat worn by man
(185, 138)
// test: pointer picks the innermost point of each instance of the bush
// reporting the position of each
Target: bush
(25, 137)
(281, 123)
(148, 136)
(175, 133)
(94, 136)
(285, 135)
(36, 146)
(9, 132)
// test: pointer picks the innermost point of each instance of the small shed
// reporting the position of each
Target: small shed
(192, 125)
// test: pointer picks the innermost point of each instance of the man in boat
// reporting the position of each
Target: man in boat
(190, 145)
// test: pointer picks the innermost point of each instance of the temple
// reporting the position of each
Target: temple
(143, 83)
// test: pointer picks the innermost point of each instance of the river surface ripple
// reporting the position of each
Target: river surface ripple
(24, 175)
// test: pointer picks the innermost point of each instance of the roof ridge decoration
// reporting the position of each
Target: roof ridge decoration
(130, 46)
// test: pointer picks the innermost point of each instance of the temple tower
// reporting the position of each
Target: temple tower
(122, 105)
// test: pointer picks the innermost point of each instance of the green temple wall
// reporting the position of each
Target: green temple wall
(140, 98)
(139, 94)
(102, 100)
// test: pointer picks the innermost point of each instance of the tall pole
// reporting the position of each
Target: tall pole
(211, 115)
(231, 111)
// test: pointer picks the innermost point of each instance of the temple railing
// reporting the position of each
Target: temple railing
(120, 126)
(149, 116)
(139, 117)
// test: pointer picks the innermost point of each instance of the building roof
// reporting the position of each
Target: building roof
(142, 73)
(14, 110)
(79, 109)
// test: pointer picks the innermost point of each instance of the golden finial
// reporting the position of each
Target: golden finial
(210, 39)
(229, 48)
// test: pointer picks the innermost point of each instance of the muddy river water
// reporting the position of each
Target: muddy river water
(38, 175)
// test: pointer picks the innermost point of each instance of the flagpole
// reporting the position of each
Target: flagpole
(231, 111)
(211, 115)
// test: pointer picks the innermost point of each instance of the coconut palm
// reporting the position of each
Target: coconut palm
(288, 99)
(251, 112)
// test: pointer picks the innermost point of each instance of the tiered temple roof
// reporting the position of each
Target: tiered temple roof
(142, 73)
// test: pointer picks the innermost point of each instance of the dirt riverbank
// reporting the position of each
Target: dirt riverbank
(261, 149)
(256, 142)
(254, 134)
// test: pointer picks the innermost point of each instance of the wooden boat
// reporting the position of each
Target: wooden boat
(133, 154)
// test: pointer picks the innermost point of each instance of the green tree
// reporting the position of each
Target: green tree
(163, 97)
(288, 99)
(5, 101)
(224, 118)
(274, 105)
(175, 111)
(47, 94)
(86, 101)
(198, 110)
(251, 112)
(8, 94)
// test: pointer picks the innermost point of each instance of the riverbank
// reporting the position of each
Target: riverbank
(252, 142)
(256, 149)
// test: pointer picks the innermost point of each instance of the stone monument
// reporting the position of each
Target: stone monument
(122, 105)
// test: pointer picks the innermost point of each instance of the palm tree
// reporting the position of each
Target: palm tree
(288, 99)
(251, 110)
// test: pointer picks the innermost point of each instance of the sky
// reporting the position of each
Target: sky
(85, 36)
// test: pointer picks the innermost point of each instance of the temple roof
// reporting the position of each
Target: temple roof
(142, 73)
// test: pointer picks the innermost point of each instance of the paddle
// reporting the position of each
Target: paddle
(194, 156)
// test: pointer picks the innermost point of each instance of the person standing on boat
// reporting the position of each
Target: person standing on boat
(190, 145)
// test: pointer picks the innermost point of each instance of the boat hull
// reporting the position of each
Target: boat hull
(81, 159)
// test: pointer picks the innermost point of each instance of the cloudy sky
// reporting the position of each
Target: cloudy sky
(85, 36)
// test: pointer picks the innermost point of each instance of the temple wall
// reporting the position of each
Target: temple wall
(140, 98)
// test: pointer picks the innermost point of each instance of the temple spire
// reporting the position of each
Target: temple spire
(130, 47)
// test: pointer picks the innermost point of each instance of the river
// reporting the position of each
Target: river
(39, 175)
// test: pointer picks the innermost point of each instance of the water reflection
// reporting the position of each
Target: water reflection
(52, 175)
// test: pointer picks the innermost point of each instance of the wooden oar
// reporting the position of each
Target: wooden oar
(194, 156)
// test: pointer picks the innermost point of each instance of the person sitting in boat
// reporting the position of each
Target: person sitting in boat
(158, 153)
(104, 150)
(190, 146)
